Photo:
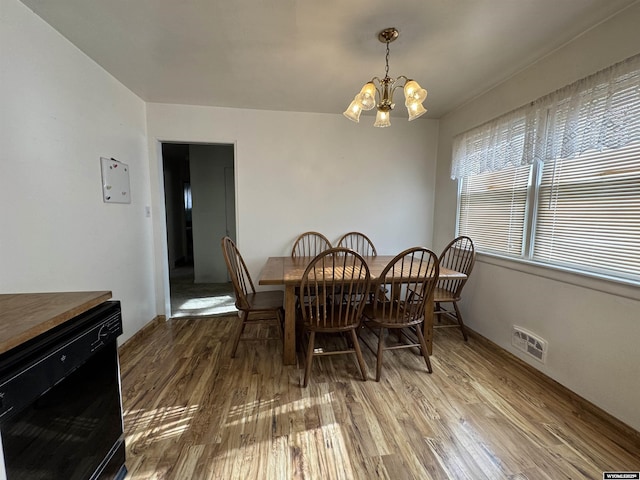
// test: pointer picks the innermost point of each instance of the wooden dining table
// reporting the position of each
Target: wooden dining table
(288, 271)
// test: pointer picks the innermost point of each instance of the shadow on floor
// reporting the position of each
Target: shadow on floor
(189, 299)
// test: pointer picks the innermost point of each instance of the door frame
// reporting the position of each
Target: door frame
(160, 225)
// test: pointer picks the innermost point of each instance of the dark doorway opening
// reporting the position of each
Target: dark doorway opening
(199, 199)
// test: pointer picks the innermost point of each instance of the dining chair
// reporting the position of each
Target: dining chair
(415, 269)
(359, 242)
(323, 310)
(310, 244)
(255, 307)
(460, 256)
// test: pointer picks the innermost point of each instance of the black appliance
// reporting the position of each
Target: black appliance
(60, 402)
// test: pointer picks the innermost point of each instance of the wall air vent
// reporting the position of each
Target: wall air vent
(529, 343)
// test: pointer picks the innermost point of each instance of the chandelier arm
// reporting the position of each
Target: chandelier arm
(376, 82)
(395, 87)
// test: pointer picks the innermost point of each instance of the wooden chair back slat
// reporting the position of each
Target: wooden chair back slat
(460, 256)
(413, 270)
(333, 290)
(359, 242)
(240, 278)
(310, 244)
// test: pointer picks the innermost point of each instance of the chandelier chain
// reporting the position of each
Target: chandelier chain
(386, 71)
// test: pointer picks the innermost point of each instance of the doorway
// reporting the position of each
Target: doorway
(199, 189)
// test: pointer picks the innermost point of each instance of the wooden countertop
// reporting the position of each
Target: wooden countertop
(24, 316)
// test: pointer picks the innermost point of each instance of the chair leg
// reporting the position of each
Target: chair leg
(379, 356)
(244, 317)
(438, 311)
(423, 348)
(307, 368)
(348, 339)
(280, 316)
(356, 347)
(460, 322)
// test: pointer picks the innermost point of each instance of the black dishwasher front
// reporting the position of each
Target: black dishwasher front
(60, 402)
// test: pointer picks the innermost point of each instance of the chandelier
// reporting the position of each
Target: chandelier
(414, 95)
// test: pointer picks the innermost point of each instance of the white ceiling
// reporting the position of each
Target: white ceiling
(314, 55)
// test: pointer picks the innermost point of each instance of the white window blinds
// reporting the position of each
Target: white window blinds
(493, 208)
(588, 213)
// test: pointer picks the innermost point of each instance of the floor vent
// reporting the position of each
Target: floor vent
(529, 343)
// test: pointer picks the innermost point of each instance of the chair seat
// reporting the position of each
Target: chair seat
(266, 301)
(369, 314)
(444, 295)
(439, 294)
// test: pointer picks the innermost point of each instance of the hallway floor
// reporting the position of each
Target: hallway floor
(189, 299)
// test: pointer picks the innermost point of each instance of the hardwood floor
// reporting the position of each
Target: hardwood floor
(191, 412)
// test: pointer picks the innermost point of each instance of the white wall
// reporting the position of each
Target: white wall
(301, 171)
(60, 112)
(592, 326)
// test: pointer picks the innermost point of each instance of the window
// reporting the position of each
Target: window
(558, 181)
(588, 212)
(493, 209)
(582, 213)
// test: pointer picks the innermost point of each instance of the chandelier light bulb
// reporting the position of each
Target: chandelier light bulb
(415, 110)
(367, 96)
(354, 110)
(382, 119)
(414, 92)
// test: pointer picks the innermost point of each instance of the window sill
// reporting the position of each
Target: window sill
(613, 286)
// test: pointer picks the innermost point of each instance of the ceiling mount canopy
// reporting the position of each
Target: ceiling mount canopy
(384, 88)
(388, 35)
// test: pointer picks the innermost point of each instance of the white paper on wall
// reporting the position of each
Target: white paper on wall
(115, 181)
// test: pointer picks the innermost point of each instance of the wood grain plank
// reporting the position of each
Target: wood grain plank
(193, 412)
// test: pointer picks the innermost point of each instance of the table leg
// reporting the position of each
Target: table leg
(428, 323)
(289, 350)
